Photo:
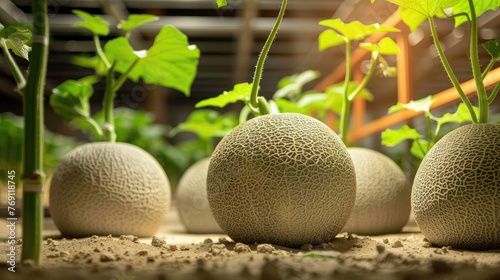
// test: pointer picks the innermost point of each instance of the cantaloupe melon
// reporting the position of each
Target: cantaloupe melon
(109, 188)
(285, 179)
(192, 202)
(456, 192)
(382, 196)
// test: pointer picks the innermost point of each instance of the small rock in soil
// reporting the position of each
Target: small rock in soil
(380, 248)
(397, 244)
(107, 257)
(142, 253)
(184, 248)
(427, 244)
(157, 242)
(242, 248)
(172, 248)
(208, 241)
(265, 248)
(217, 249)
(385, 240)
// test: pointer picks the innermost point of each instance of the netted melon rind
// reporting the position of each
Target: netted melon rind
(285, 179)
(109, 188)
(456, 192)
(382, 196)
(192, 202)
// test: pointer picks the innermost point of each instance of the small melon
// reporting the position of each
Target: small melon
(285, 179)
(456, 192)
(109, 188)
(382, 196)
(192, 202)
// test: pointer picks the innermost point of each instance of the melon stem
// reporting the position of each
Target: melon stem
(449, 70)
(261, 103)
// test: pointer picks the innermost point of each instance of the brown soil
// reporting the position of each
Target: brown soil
(172, 254)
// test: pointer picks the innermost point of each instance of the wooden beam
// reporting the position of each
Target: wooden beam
(443, 98)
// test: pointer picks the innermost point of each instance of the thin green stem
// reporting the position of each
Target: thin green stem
(450, 72)
(119, 83)
(109, 97)
(367, 77)
(346, 104)
(33, 176)
(476, 69)
(488, 68)
(436, 133)
(494, 93)
(254, 102)
(97, 128)
(100, 52)
(14, 68)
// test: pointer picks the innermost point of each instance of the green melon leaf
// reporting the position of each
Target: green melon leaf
(355, 30)
(134, 21)
(240, 92)
(419, 148)
(207, 124)
(493, 48)
(411, 18)
(427, 8)
(71, 100)
(170, 62)
(93, 23)
(421, 105)
(291, 86)
(16, 38)
(329, 39)
(286, 106)
(460, 116)
(386, 46)
(480, 6)
(338, 89)
(221, 3)
(391, 137)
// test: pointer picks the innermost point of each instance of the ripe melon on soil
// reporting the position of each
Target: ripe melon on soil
(109, 188)
(382, 196)
(285, 179)
(456, 192)
(192, 202)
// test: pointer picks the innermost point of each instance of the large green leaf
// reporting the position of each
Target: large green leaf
(94, 23)
(421, 105)
(134, 21)
(427, 8)
(240, 92)
(411, 18)
(16, 38)
(170, 62)
(356, 30)
(480, 6)
(71, 100)
(291, 86)
(207, 124)
(493, 48)
(392, 137)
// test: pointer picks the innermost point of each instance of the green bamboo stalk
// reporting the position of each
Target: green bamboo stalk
(33, 176)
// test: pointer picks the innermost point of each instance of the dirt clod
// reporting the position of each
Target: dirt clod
(265, 248)
(242, 248)
(157, 242)
(397, 244)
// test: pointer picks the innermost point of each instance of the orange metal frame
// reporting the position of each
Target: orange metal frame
(405, 85)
